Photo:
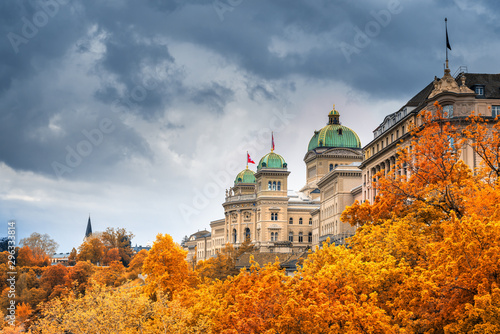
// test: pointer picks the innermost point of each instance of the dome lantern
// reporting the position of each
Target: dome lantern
(334, 116)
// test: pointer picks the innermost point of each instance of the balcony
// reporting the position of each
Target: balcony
(238, 198)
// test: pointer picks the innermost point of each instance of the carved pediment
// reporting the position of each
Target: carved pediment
(449, 84)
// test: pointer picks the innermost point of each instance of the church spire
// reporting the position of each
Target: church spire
(88, 232)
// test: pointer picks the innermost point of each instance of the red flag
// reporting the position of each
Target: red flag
(249, 160)
(272, 136)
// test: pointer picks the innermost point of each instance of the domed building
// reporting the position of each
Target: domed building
(260, 207)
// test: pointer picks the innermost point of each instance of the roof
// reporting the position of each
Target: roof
(334, 135)
(491, 83)
(200, 234)
(271, 160)
(245, 176)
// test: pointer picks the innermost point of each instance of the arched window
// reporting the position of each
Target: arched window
(247, 234)
(290, 236)
(279, 185)
(448, 110)
(300, 221)
(290, 221)
(269, 185)
(272, 236)
(310, 237)
(301, 237)
(274, 185)
(234, 235)
(310, 221)
(331, 167)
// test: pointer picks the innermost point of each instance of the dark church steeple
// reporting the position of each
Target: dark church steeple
(88, 232)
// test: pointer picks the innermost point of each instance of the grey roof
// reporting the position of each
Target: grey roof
(491, 83)
(200, 234)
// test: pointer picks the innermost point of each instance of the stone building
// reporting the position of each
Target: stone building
(459, 96)
(260, 207)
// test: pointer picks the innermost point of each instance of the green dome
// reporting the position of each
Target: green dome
(245, 176)
(272, 160)
(334, 134)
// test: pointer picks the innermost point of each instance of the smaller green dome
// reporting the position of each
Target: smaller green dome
(272, 160)
(245, 176)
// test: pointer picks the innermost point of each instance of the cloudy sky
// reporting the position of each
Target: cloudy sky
(140, 112)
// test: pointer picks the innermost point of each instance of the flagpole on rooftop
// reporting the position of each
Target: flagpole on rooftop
(447, 41)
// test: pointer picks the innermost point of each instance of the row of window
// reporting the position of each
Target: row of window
(301, 237)
(274, 236)
(273, 185)
(387, 142)
(235, 235)
(290, 221)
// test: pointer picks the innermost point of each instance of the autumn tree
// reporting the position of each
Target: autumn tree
(120, 239)
(101, 310)
(73, 255)
(224, 263)
(41, 245)
(135, 266)
(53, 280)
(79, 276)
(111, 255)
(166, 267)
(92, 249)
(437, 223)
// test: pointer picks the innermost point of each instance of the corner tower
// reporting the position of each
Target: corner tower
(272, 200)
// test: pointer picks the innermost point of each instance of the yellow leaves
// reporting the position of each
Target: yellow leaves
(166, 267)
(101, 310)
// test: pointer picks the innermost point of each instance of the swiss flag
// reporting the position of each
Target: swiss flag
(249, 160)
(272, 143)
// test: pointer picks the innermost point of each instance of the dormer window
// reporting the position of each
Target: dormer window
(479, 90)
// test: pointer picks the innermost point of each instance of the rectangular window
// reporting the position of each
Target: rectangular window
(397, 133)
(495, 111)
(403, 130)
(479, 90)
(392, 137)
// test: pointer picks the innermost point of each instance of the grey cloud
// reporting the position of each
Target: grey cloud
(215, 96)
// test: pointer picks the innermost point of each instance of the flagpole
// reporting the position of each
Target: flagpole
(446, 46)
(247, 159)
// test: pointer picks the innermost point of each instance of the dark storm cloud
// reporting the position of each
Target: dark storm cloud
(138, 74)
(214, 96)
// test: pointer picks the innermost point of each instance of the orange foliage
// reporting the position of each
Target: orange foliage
(166, 267)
